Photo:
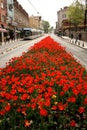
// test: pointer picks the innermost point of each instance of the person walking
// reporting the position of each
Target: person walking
(8, 38)
(76, 39)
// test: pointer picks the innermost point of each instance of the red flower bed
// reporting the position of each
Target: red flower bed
(44, 89)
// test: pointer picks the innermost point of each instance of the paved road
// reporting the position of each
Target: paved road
(79, 53)
(15, 49)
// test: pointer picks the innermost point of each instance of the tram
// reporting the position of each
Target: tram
(30, 33)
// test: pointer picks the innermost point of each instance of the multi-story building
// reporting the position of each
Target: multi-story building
(3, 18)
(35, 22)
(12, 19)
(65, 27)
(10, 13)
(21, 17)
(61, 19)
(17, 18)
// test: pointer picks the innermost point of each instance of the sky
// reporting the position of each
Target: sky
(47, 9)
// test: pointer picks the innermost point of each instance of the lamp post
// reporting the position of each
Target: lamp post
(85, 19)
(70, 27)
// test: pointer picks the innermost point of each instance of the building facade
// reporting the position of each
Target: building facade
(3, 20)
(61, 17)
(35, 22)
(12, 19)
(64, 27)
(21, 17)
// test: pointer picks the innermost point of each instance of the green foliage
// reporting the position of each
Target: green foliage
(75, 13)
(45, 25)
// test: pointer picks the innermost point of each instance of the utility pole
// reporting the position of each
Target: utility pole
(85, 19)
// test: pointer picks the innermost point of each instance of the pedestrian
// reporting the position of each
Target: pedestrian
(8, 38)
(11, 35)
(76, 39)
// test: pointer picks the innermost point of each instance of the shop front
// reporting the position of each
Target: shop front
(3, 34)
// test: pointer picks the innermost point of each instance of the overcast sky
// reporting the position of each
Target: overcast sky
(46, 8)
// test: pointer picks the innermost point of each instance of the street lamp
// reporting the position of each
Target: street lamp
(85, 15)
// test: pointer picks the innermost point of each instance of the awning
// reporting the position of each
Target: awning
(3, 30)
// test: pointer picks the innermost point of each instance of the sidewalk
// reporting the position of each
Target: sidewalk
(9, 46)
(79, 43)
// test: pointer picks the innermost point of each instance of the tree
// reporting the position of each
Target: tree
(51, 29)
(75, 14)
(45, 26)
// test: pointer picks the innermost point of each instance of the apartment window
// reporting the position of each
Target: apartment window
(0, 17)
(1, 5)
(64, 16)
(10, 7)
(3, 18)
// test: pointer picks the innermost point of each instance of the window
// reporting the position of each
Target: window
(10, 7)
(1, 5)
(3, 18)
(0, 17)
(64, 16)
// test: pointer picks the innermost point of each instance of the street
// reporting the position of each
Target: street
(15, 49)
(79, 54)
(19, 47)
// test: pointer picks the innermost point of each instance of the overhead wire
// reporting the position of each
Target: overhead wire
(33, 6)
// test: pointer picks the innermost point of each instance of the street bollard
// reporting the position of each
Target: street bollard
(79, 43)
(83, 45)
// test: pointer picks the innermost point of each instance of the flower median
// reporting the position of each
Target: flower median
(44, 89)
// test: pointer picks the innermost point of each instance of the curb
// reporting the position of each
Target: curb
(9, 48)
(81, 44)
